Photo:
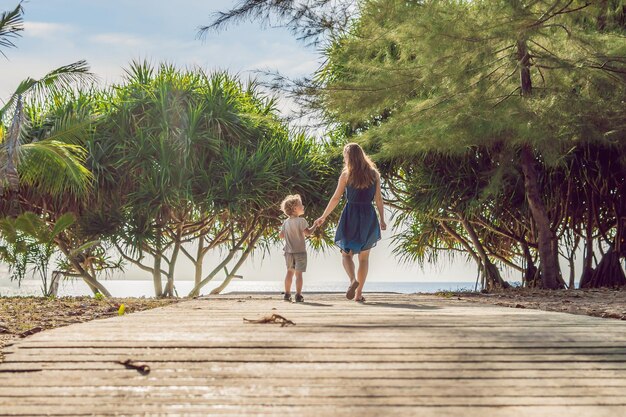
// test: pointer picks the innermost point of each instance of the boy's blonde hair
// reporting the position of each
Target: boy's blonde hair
(288, 205)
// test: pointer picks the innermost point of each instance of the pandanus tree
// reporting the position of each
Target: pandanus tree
(251, 184)
(196, 163)
(161, 125)
(443, 201)
(597, 212)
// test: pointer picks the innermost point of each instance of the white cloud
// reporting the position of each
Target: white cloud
(46, 29)
(119, 39)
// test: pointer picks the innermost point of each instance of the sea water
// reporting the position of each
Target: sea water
(145, 288)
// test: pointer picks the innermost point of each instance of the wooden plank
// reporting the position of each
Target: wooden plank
(272, 370)
(400, 355)
(312, 391)
(306, 366)
(488, 385)
(325, 410)
(336, 355)
(271, 400)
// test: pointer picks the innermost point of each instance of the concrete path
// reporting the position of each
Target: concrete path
(397, 355)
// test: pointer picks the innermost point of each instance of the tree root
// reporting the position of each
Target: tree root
(607, 274)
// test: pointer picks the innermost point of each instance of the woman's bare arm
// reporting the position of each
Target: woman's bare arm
(378, 198)
(334, 200)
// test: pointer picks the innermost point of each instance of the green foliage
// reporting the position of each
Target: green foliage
(447, 93)
(443, 76)
(27, 243)
(182, 155)
(11, 24)
(165, 158)
(40, 149)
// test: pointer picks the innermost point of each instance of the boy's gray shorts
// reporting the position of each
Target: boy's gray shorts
(296, 261)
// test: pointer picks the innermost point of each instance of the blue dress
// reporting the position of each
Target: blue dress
(358, 229)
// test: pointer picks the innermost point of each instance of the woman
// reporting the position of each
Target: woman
(358, 229)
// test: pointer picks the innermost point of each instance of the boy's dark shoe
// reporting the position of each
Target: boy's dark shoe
(299, 298)
(287, 297)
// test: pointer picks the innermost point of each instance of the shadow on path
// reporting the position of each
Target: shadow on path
(307, 303)
(405, 306)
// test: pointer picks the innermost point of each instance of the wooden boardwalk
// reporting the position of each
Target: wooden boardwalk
(397, 355)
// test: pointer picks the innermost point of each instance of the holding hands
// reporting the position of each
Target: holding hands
(319, 221)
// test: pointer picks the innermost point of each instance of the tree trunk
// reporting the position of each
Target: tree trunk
(198, 262)
(532, 276)
(571, 258)
(493, 279)
(169, 288)
(91, 281)
(587, 270)
(468, 249)
(608, 273)
(196, 289)
(156, 276)
(523, 58)
(158, 259)
(546, 239)
(603, 9)
(11, 174)
(236, 246)
(238, 265)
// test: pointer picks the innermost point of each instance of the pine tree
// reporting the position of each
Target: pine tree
(446, 76)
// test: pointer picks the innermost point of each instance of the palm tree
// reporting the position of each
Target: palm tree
(11, 24)
(52, 162)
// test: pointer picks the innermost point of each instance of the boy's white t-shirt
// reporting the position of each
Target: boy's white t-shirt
(293, 228)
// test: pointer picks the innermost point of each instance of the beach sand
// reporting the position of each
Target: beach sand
(21, 316)
(605, 303)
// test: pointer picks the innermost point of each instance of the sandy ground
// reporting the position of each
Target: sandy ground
(598, 303)
(22, 316)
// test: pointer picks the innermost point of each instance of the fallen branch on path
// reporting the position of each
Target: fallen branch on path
(142, 368)
(274, 318)
(31, 331)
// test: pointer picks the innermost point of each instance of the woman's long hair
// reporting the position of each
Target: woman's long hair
(361, 170)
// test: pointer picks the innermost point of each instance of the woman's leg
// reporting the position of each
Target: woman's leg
(348, 265)
(364, 263)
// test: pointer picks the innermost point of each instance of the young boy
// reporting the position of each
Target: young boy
(294, 230)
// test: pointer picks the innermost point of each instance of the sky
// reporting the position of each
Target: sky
(109, 34)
